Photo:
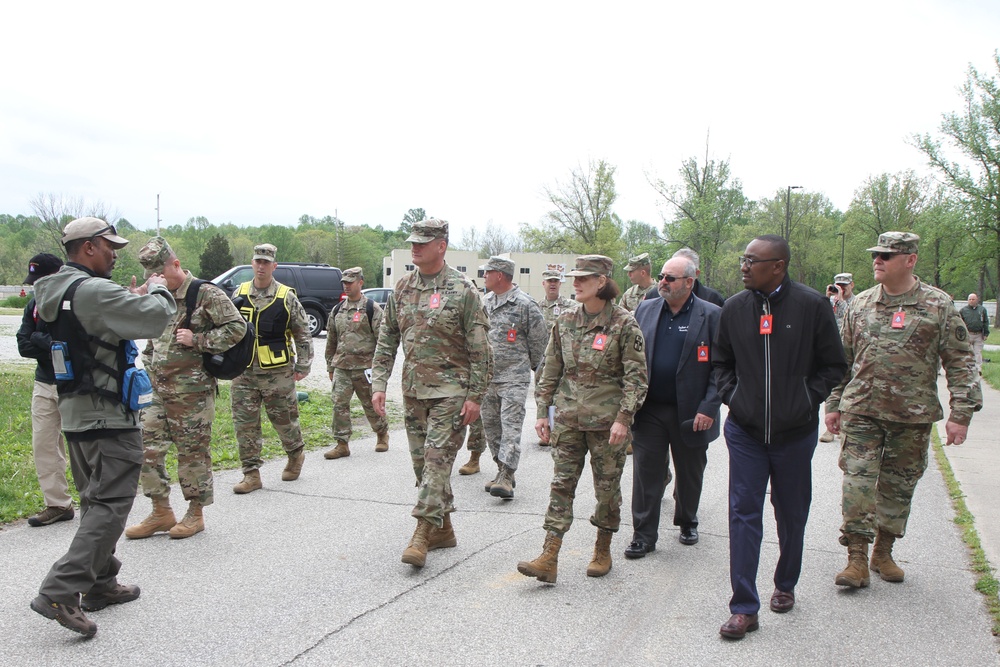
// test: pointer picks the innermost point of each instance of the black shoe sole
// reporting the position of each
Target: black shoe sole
(54, 615)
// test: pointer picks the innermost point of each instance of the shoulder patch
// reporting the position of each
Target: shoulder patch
(638, 344)
(961, 333)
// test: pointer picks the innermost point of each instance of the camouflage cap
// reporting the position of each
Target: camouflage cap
(843, 279)
(552, 274)
(499, 264)
(154, 255)
(426, 231)
(353, 274)
(638, 262)
(265, 251)
(592, 265)
(88, 228)
(897, 242)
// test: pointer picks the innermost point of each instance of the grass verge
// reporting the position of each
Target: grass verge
(991, 369)
(20, 496)
(987, 583)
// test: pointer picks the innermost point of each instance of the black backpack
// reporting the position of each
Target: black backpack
(369, 310)
(233, 362)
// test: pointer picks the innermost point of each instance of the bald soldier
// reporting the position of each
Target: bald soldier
(183, 395)
(638, 269)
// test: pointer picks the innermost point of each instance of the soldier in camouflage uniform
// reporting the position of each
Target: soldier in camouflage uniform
(840, 298)
(552, 306)
(638, 269)
(518, 335)
(437, 315)
(595, 376)
(894, 336)
(282, 356)
(350, 344)
(183, 395)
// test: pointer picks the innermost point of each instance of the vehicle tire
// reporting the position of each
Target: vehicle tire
(316, 321)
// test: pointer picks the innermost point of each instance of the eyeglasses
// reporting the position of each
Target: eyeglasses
(749, 262)
(886, 256)
(661, 277)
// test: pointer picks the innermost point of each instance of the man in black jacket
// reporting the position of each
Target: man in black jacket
(778, 355)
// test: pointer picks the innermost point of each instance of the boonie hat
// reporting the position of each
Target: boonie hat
(426, 231)
(592, 265)
(897, 242)
(41, 265)
(88, 228)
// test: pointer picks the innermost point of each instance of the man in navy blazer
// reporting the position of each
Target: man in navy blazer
(681, 413)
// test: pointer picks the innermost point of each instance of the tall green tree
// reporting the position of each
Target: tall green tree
(411, 216)
(216, 259)
(813, 238)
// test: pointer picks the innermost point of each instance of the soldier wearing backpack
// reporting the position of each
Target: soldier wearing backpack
(183, 394)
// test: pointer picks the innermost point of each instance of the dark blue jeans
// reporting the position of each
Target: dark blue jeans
(751, 464)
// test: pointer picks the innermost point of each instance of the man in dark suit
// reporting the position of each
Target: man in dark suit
(681, 412)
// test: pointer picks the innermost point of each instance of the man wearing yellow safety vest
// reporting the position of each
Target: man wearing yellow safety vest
(282, 356)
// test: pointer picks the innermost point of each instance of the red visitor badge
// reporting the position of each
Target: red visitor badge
(512, 336)
(703, 353)
(357, 315)
(898, 320)
(435, 300)
(599, 341)
(765, 324)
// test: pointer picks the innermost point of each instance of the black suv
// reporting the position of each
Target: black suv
(318, 287)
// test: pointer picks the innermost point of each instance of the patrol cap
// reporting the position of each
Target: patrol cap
(89, 227)
(353, 274)
(426, 231)
(499, 264)
(592, 265)
(265, 251)
(41, 265)
(638, 262)
(552, 274)
(154, 255)
(843, 279)
(897, 242)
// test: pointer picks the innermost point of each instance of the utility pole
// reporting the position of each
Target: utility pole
(158, 221)
(788, 212)
(842, 236)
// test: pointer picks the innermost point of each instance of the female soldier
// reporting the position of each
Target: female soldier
(595, 376)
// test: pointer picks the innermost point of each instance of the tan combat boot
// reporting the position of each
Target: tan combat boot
(443, 537)
(193, 522)
(545, 567)
(472, 467)
(882, 562)
(382, 445)
(294, 466)
(416, 552)
(340, 451)
(489, 485)
(503, 487)
(161, 519)
(600, 565)
(855, 574)
(251, 482)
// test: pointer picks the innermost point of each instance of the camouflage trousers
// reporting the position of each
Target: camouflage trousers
(503, 418)
(185, 421)
(434, 444)
(346, 383)
(882, 462)
(275, 390)
(607, 461)
(477, 436)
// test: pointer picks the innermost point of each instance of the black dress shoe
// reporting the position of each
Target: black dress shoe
(638, 549)
(689, 535)
(738, 625)
(782, 601)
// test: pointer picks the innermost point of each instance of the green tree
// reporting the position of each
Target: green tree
(216, 259)
(410, 217)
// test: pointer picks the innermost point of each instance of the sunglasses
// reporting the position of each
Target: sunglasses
(661, 277)
(886, 256)
(749, 262)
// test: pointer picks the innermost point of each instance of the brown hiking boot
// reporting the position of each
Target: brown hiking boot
(98, 600)
(855, 575)
(294, 466)
(600, 565)
(193, 522)
(472, 467)
(882, 562)
(251, 482)
(545, 567)
(416, 552)
(489, 485)
(51, 515)
(161, 519)
(338, 452)
(503, 487)
(71, 618)
(443, 537)
(382, 445)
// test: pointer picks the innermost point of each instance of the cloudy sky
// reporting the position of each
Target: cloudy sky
(257, 113)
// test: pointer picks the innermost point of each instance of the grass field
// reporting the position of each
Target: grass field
(991, 369)
(20, 496)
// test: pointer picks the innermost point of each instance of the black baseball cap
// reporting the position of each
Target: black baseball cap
(42, 264)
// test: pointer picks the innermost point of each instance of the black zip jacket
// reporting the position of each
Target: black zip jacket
(33, 342)
(775, 383)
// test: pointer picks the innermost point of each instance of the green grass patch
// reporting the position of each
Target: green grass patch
(15, 302)
(986, 583)
(20, 496)
(994, 337)
(991, 368)
(12, 311)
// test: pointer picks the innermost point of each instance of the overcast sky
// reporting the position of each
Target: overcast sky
(258, 113)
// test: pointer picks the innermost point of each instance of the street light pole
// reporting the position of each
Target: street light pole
(788, 211)
(842, 238)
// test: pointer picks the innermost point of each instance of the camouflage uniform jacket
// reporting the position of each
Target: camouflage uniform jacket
(894, 372)
(633, 296)
(552, 309)
(216, 324)
(590, 388)
(840, 309)
(518, 335)
(298, 325)
(446, 352)
(350, 339)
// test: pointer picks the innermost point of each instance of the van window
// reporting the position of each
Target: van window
(284, 276)
(318, 278)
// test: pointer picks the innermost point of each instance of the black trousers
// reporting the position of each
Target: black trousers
(655, 433)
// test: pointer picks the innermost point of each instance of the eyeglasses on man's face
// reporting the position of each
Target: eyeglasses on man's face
(661, 277)
(749, 261)
(884, 256)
